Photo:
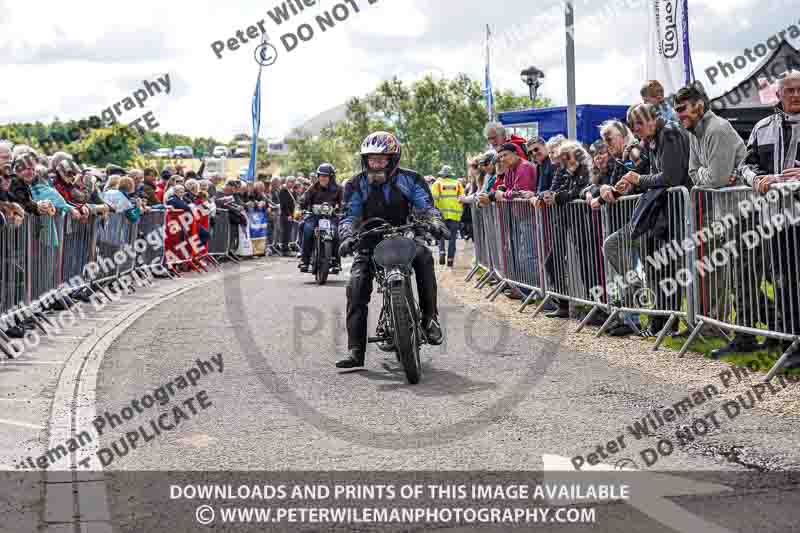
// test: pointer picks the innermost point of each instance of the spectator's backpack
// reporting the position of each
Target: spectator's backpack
(648, 215)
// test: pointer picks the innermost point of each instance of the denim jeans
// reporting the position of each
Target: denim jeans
(453, 226)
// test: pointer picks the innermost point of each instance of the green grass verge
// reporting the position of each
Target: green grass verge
(760, 361)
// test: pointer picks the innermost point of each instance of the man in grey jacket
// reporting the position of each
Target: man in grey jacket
(773, 162)
(715, 153)
(715, 149)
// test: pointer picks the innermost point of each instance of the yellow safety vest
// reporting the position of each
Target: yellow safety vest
(445, 195)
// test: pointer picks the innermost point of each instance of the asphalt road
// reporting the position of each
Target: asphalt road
(493, 398)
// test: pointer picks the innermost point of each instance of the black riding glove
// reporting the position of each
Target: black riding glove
(438, 228)
(347, 246)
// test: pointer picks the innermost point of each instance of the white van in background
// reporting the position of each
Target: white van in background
(214, 167)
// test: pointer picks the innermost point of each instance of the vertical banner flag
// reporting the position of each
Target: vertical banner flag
(488, 81)
(669, 58)
(256, 111)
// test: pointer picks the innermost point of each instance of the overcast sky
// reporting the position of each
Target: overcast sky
(74, 59)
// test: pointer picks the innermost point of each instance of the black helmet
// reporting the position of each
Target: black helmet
(326, 169)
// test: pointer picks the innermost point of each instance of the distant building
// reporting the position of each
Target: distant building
(315, 125)
(278, 147)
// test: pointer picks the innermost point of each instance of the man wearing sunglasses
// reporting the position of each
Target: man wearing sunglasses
(716, 151)
(539, 156)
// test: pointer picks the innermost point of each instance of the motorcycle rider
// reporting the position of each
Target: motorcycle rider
(384, 190)
(324, 190)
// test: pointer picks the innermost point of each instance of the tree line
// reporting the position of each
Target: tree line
(438, 122)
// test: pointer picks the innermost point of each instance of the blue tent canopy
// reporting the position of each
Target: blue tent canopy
(553, 120)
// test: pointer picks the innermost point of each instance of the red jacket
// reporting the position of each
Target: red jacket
(522, 177)
(160, 188)
(497, 182)
(64, 189)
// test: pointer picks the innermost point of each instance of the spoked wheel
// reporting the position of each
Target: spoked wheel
(323, 261)
(406, 340)
(385, 330)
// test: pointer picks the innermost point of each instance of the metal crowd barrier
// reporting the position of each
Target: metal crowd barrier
(113, 233)
(558, 253)
(519, 249)
(13, 275)
(572, 255)
(151, 229)
(747, 263)
(179, 251)
(80, 240)
(491, 226)
(44, 255)
(13, 267)
(727, 259)
(220, 241)
(647, 278)
(48, 258)
(482, 261)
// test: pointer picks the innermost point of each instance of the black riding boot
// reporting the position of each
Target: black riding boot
(354, 360)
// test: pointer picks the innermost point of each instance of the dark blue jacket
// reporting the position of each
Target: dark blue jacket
(410, 184)
(545, 175)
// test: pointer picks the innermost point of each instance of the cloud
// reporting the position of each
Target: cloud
(79, 60)
(110, 48)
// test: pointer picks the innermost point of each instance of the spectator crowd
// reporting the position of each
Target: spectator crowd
(658, 145)
(38, 187)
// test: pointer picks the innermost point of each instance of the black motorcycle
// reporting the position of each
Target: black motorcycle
(322, 252)
(400, 323)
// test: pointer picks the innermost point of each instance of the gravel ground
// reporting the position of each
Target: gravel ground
(694, 371)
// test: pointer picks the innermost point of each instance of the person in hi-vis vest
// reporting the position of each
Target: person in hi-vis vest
(446, 191)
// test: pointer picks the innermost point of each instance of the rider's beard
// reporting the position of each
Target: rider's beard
(376, 177)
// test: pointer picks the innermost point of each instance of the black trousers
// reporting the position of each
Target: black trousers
(786, 278)
(234, 238)
(557, 266)
(285, 230)
(359, 290)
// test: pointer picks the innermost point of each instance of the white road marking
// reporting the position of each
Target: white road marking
(16, 362)
(20, 424)
(648, 492)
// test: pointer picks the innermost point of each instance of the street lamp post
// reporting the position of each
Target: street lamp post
(532, 77)
(569, 22)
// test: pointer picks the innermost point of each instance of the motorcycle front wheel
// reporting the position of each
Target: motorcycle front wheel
(324, 254)
(406, 339)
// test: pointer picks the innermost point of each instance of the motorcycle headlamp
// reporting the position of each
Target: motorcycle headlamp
(322, 209)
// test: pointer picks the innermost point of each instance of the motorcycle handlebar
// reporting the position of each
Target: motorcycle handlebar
(387, 228)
